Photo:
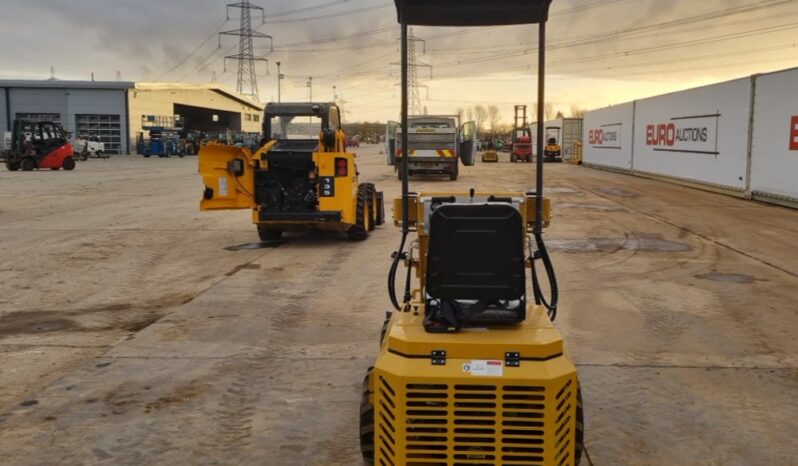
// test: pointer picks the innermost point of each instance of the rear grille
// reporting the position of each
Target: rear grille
(565, 405)
(386, 423)
(473, 424)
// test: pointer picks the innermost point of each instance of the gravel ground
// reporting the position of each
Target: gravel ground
(135, 329)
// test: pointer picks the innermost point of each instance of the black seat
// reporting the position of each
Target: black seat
(475, 266)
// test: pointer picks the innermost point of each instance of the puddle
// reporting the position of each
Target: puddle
(33, 323)
(738, 278)
(601, 207)
(619, 192)
(258, 245)
(615, 244)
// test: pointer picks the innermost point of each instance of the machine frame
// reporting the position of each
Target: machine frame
(446, 390)
(331, 193)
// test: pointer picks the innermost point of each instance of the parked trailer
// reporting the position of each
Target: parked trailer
(437, 144)
(607, 136)
(774, 157)
(738, 137)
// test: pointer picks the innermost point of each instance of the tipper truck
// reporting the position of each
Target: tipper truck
(436, 144)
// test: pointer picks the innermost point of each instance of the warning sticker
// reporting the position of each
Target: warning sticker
(484, 367)
(223, 186)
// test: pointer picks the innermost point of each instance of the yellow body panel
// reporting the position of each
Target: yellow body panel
(416, 209)
(237, 192)
(453, 414)
(476, 408)
(345, 199)
(229, 191)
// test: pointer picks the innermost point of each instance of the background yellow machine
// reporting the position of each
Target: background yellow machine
(471, 370)
(302, 177)
(490, 156)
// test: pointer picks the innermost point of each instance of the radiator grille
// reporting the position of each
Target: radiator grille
(484, 424)
(386, 424)
(563, 432)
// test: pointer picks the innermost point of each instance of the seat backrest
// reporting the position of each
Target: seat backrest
(476, 252)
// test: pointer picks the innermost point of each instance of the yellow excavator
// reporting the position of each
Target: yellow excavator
(471, 370)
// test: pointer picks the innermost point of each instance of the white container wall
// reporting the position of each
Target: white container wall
(698, 135)
(607, 136)
(774, 160)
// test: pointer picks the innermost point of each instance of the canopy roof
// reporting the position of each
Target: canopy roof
(472, 12)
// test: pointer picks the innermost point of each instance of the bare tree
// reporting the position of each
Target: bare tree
(470, 114)
(481, 115)
(577, 112)
(548, 110)
(494, 117)
(559, 115)
(461, 115)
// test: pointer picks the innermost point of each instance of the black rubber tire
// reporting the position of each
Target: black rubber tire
(27, 164)
(68, 164)
(453, 175)
(12, 166)
(268, 234)
(372, 209)
(580, 427)
(384, 328)
(360, 230)
(146, 156)
(380, 219)
(367, 421)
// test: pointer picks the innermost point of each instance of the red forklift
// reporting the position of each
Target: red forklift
(39, 145)
(521, 148)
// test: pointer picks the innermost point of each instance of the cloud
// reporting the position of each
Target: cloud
(601, 51)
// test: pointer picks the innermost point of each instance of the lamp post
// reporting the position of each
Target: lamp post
(335, 95)
(310, 87)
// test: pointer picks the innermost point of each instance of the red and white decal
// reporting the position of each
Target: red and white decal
(686, 134)
(606, 137)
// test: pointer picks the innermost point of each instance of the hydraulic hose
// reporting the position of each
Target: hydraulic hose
(543, 255)
(397, 258)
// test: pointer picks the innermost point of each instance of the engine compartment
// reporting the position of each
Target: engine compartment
(287, 184)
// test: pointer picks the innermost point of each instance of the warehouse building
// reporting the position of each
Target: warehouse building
(116, 111)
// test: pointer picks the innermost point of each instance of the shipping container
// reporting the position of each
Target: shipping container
(566, 131)
(607, 137)
(699, 135)
(774, 153)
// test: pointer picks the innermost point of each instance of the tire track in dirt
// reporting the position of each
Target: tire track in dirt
(290, 301)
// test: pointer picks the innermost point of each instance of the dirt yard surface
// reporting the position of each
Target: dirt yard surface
(136, 330)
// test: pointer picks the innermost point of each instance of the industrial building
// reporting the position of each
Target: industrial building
(114, 111)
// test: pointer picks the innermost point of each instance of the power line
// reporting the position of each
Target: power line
(309, 8)
(247, 82)
(329, 15)
(356, 35)
(193, 52)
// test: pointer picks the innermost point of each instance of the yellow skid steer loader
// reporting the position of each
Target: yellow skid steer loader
(301, 178)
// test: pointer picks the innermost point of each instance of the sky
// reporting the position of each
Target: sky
(600, 52)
